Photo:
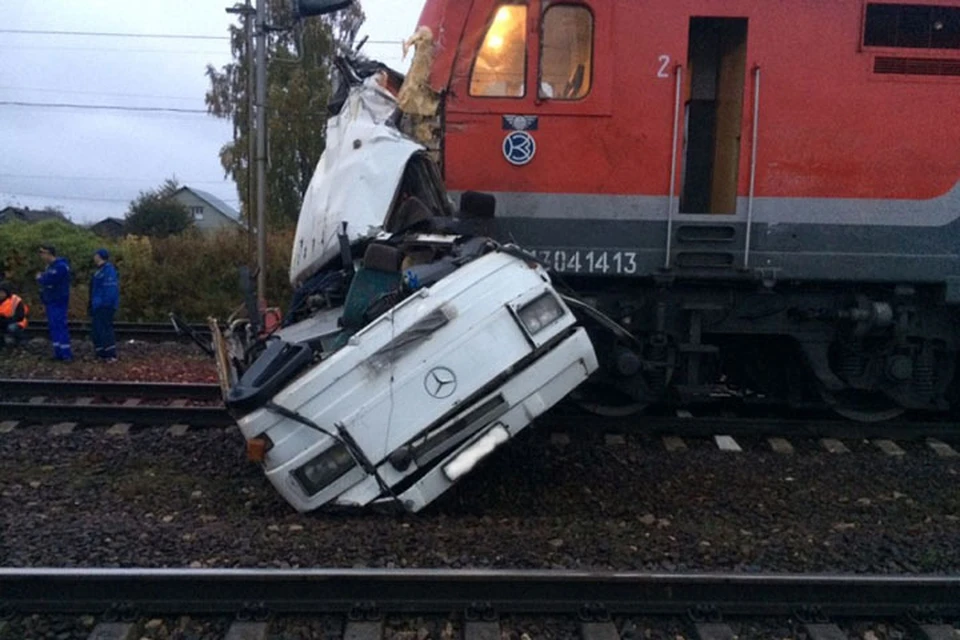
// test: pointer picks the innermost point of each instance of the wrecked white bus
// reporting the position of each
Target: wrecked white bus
(397, 372)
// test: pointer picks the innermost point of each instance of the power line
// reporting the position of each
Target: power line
(21, 194)
(99, 178)
(204, 52)
(177, 51)
(116, 34)
(100, 107)
(160, 36)
(98, 93)
(53, 196)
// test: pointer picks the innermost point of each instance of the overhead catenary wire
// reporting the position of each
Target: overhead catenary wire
(25, 176)
(222, 52)
(95, 93)
(115, 34)
(128, 34)
(54, 196)
(100, 107)
(21, 194)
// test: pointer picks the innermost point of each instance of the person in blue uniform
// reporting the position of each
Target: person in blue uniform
(55, 295)
(104, 300)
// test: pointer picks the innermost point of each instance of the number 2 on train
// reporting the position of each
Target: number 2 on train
(664, 63)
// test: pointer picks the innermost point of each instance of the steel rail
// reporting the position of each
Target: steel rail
(128, 330)
(708, 426)
(216, 416)
(227, 591)
(165, 326)
(106, 414)
(97, 388)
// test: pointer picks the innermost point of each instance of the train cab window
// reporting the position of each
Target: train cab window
(912, 26)
(501, 63)
(566, 58)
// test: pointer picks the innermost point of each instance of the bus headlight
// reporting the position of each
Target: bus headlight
(330, 465)
(540, 313)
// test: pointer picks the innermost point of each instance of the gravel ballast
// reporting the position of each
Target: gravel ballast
(138, 362)
(153, 500)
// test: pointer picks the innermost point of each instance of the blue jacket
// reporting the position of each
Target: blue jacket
(105, 288)
(55, 283)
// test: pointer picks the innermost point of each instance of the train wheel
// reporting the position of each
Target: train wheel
(606, 403)
(864, 406)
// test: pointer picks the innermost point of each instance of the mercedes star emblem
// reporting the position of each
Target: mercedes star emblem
(440, 382)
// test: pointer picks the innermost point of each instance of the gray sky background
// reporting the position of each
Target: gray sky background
(91, 163)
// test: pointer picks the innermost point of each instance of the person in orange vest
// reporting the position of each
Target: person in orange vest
(13, 315)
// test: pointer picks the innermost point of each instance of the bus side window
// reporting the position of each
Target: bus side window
(501, 62)
(566, 57)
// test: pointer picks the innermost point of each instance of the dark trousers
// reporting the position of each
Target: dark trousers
(59, 334)
(102, 333)
(10, 334)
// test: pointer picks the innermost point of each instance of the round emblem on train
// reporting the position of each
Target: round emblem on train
(519, 148)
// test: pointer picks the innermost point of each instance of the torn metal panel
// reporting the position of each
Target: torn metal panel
(418, 101)
(416, 97)
(446, 20)
(365, 151)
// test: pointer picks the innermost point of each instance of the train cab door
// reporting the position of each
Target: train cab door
(530, 93)
(714, 169)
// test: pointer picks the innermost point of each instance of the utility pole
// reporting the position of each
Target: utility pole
(247, 12)
(261, 151)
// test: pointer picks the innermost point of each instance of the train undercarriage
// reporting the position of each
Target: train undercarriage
(869, 356)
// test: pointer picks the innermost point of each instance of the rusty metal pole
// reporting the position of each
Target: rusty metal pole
(261, 152)
(251, 120)
(246, 11)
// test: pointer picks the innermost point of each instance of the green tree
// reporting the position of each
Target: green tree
(299, 70)
(155, 213)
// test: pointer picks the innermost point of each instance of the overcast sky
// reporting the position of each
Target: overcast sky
(92, 162)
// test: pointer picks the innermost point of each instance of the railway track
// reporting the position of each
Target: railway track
(107, 389)
(712, 602)
(145, 331)
(154, 404)
(87, 402)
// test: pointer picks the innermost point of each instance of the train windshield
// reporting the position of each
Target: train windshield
(501, 63)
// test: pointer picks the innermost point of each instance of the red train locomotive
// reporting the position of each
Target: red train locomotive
(762, 197)
(767, 194)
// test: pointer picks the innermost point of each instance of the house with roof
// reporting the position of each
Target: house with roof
(209, 212)
(28, 215)
(109, 228)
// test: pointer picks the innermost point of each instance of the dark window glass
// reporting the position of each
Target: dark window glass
(946, 28)
(566, 60)
(912, 26)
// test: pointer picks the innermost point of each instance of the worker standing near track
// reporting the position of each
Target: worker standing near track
(13, 316)
(55, 294)
(104, 300)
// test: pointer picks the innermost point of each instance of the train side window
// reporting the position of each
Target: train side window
(501, 63)
(912, 26)
(566, 56)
